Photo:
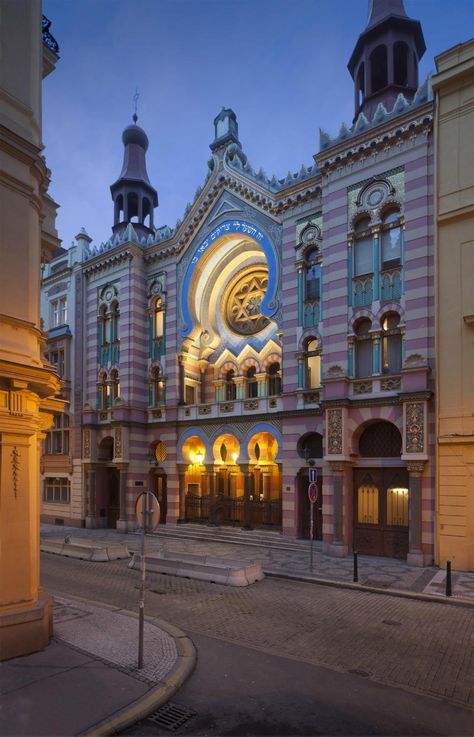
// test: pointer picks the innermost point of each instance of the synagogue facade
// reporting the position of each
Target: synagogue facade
(283, 325)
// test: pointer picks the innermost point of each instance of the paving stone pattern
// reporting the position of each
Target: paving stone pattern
(421, 646)
(81, 625)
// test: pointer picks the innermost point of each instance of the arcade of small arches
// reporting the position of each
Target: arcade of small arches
(237, 480)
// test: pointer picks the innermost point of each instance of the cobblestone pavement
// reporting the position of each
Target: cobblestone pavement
(81, 625)
(384, 573)
(417, 645)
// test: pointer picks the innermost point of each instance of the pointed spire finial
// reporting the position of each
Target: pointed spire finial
(135, 100)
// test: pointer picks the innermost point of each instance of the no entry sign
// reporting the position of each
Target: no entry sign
(313, 492)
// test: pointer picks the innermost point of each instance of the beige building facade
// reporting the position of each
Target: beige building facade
(27, 385)
(454, 89)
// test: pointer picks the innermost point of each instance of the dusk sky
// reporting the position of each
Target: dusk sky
(281, 65)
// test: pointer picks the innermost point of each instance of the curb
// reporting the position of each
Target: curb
(157, 695)
(400, 593)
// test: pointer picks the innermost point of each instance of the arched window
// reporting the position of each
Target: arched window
(391, 344)
(132, 207)
(313, 364)
(361, 84)
(114, 322)
(310, 446)
(391, 240)
(252, 384)
(380, 440)
(313, 281)
(230, 387)
(274, 379)
(378, 68)
(363, 349)
(159, 321)
(400, 63)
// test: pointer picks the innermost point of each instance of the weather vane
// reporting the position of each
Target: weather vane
(135, 100)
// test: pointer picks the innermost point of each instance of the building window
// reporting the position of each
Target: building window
(114, 385)
(274, 379)
(56, 359)
(363, 248)
(189, 394)
(156, 388)
(55, 313)
(159, 318)
(363, 349)
(312, 289)
(103, 392)
(230, 388)
(57, 438)
(252, 384)
(57, 490)
(63, 311)
(313, 364)
(391, 344)
(391, 238)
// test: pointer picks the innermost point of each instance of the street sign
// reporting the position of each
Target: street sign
(152, 511)
(313, 492)
(313, 475)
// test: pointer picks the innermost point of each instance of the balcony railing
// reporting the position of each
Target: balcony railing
(391, 284)
(231, 511)
(235, 407)
(363, 290)
(157, 348)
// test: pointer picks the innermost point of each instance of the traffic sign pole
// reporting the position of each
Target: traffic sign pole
(141, 609)
(311, 527)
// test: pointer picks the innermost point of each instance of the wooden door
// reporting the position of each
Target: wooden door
(381, 512)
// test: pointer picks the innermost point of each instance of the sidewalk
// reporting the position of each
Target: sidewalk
(87, 682)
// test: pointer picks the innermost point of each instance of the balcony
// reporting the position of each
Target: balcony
(232, 408)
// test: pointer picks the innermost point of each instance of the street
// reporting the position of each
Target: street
(283, 657)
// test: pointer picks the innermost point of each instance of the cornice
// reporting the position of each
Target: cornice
(374, 140)
(108, 260)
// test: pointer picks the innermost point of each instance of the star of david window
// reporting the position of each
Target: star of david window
(244, 300)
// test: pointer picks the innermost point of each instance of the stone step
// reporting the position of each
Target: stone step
(272, 540)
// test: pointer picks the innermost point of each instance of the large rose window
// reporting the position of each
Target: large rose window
(244, 297)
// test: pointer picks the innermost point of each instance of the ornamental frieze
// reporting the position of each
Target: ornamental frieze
(415, 427)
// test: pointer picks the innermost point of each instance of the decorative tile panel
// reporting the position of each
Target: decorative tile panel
(334, 425)
(415, 427)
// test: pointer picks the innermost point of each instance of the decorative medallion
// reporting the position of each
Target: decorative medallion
(415, 429)
(334, 425)
(243, 304)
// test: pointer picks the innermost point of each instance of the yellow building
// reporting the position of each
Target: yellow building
(454, 89)
(27, 386)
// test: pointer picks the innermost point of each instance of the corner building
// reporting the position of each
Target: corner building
(281, 325)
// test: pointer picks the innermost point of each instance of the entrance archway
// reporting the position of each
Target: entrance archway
(381, 494)
(264, 480)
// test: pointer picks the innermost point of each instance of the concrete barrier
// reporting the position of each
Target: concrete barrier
(202, 567)
(76, 547)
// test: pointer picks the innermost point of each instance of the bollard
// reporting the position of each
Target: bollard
(356, 572)
(449, 591)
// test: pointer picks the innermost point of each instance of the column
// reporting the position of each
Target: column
(182, 491)
(349, 272)
(219, 386)
(338, 547)
(350, 357)
(239, 382)
(122, 523)
(211, 475)
(377, 359)
(261, 384)
(376, 235)
(180, 379)
(245, 468)
(203, 368)
(300, 271)
(90, 494)
(415, 474)
(301, 358)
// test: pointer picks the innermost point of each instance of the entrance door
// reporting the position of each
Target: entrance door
(304, 506)
(160, 493)
(113, 507)
(381, 511)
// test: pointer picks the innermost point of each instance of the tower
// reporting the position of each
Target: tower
(133, 195)
(385, 58)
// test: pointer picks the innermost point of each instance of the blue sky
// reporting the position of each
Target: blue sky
(279, 64)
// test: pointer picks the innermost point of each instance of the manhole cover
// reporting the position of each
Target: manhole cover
(171, 716)
(393, 622)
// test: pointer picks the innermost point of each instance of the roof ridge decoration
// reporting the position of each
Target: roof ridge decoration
(423, 94)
